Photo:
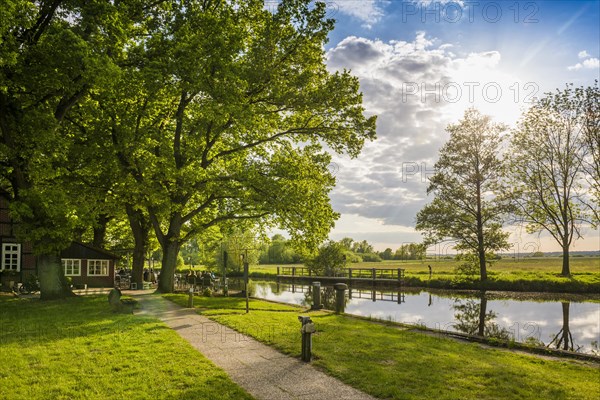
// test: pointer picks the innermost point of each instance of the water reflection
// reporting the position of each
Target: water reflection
(473, 318)
(571, 325)
(564, 338)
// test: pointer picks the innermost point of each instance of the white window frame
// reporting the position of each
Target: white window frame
(102, 264)
(73, 262)
(13, 249)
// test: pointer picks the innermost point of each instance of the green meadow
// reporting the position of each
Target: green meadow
(524, 274)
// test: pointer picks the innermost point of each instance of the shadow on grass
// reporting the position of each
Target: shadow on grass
(31, 320)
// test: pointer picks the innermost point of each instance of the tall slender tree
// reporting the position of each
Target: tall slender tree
(587, 100)
(468, 175)
(547, 156)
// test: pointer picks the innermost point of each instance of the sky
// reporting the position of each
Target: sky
(420, 65)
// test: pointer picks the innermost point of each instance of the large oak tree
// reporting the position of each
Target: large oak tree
(52, 53)
(227, 112)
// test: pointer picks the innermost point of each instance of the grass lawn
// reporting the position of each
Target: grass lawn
(393, 363)
(78, 349)
(525, 274)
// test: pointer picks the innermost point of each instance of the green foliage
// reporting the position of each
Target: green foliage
(239, 244)
(469, 266)
(549, 156)
(371, 257)
(226, 113)
(362, 247)
(329, 261)
(352, 257)
(410, 251)
(52, 55)
(467, 206)
(279, 251)
(387, 254)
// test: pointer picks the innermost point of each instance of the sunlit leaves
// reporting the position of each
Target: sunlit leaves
(467, 207)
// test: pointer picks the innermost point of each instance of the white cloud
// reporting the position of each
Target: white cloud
(429, 2)
(590, 63)
(583, 54)
(407, 84)
(368, 11)
(416, 88)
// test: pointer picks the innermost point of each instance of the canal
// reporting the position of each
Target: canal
(569, 322)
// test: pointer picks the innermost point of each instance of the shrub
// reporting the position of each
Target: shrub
(371, 257)
(329, 261)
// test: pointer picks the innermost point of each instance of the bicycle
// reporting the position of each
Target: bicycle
(30, 286)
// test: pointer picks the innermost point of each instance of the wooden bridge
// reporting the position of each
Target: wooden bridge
(386, 275)
(353, 293)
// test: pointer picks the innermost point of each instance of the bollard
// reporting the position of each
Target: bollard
(191, 298)
(316, 292)
(340, 297)
(308, 328)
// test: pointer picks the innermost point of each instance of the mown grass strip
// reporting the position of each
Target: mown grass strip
(79, 349)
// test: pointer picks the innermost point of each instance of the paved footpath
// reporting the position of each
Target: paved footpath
(264, 372)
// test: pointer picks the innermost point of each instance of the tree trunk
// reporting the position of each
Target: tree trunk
(482, 310)
(100, 231)
(53, 284)
(480, 242)
(566, 270)
(166, 281)
(566, 331)
(482, 265)
(140, 228)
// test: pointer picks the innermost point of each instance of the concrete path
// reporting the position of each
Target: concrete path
(264, 372)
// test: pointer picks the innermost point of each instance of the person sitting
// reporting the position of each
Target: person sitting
(191, 278)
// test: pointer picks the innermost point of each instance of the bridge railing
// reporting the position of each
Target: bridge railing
(348, 273)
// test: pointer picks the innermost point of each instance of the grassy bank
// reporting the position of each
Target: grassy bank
(78, 349)
(393, 363)
(522, 275)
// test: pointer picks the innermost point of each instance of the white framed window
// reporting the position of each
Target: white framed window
(11, 256)
(98, 267)
(71, 266)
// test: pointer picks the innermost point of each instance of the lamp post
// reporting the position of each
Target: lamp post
(224, 279)
(244, 259)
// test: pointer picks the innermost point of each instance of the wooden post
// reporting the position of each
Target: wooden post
(399, 276)
(374, 274)
(349, 274)
(278, 271)
(293, 271)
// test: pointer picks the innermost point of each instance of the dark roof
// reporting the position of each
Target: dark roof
(82, 250)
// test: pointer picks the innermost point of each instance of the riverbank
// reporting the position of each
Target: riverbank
(387, 361)
(523, 275)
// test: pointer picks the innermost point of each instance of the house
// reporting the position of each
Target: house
(88, 265)
(82, 263)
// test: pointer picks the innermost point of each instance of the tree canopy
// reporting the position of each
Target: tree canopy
(548, 155)
(52, 55)
(193, 113)
(468, 176)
